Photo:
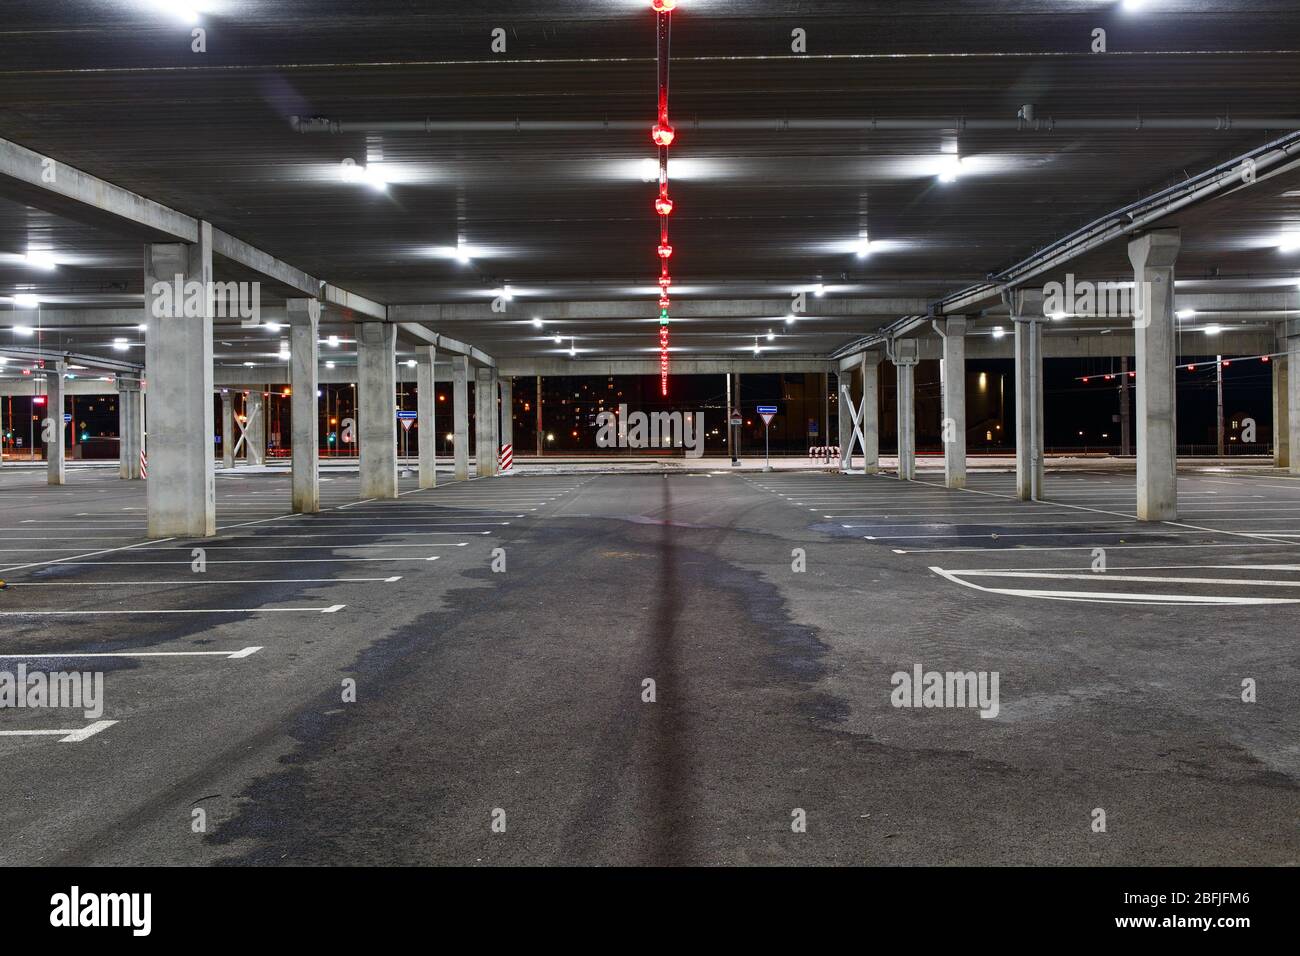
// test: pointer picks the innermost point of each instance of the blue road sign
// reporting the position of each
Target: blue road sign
(767, 409)
(406, 416)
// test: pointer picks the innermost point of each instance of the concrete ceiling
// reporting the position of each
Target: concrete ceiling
(564, 216)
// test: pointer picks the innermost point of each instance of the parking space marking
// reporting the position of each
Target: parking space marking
(94, 612)
(241, 654)
(198, 579)
(1118, 597)
(66, 736)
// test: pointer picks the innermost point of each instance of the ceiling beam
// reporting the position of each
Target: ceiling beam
(28, 177)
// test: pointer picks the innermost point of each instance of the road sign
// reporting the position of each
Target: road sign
(767, 413)
(735, 417)
(407, 423)
(406, 416)
(66, 418)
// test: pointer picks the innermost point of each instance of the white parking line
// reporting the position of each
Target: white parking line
(197, 580)
(1119, 597)
(67, 736)
(229, 655)
(1037, 534)
(333, 608)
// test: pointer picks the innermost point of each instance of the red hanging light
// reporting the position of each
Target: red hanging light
(663, 135)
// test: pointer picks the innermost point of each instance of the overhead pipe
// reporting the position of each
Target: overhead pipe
(1225, 177)
(959, 124)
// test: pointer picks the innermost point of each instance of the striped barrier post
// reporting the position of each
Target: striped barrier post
(144, 464)
(507, 460)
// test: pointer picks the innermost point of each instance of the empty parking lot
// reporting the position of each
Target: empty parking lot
(769, 611)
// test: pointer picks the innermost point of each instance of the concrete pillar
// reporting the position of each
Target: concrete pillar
(871, 411)
(55, 451)
(130, 427)
(507, 412)
(460, 414)
(377, 396)
(304, 405)
(426, 414)
(906, 357)
(1029, 402)
(954, 402)
(494, 418)
(178, 367)
(844, 384)
(1281, 407)
(1155, 336)
(255, 406)
(227, 429)
(1293, 392)
(484, 411)
(1125, 414)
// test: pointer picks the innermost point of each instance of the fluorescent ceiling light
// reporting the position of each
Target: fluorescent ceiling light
(142, 327)
(332, 341)
(372, 176)
(819, 290)
(410, 363)
(121, 345)
(537, 323)
(1289, 243)
(1185, 313)
(182, 10)
(771, 336)
(329, 364)
(1212, 330)
(951, 169)
(558, 340)
(864, 248)
(273, 326)
(999, 331)
(1133, 6)
(41, 260)
(26, 301)
(789, 319)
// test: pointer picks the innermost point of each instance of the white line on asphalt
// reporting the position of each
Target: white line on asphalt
(1109, 547)
(1037, 534)
(1119, 597)
(1108, 576)
(197, 580)
(92, 554)
(229, 655)
(69, 736)
(101, 564)
(218, 610)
